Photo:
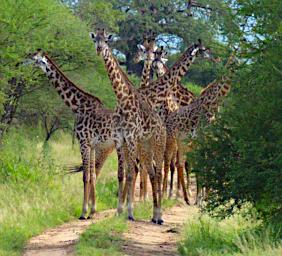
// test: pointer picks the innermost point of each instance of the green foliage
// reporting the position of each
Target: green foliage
(99, 14)
(36, 193)
(234, 236)
(239, 158)
(25, 26)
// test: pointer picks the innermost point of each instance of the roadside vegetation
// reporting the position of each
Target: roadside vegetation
(35, 190)
(243, 233)
(238, 157)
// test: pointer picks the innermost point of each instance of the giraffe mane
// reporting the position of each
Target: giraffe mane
(67, 79)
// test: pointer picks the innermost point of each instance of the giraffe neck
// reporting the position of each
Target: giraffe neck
(182, 65)
(212, 96)
(146, 73)
(159, 89)
(182, 96)
(122, 86)
(74, 97)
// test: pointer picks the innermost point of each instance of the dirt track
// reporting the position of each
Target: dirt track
(61, 240)
(147, 239)
(142, 239)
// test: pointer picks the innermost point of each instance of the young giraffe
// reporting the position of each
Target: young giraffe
(139, 130)
(93, 127)
(186, 120)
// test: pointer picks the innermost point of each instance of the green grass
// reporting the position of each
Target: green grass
(233, 236)
(103, 238)
(35, 193)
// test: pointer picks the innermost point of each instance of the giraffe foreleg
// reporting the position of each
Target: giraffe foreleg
(180, 169)
(168, 156)
(92, 196)
(120, 155)
(130, 153)
(172, 171)
(85, 153)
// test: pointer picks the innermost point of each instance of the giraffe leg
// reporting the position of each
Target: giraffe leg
(136, 170)
(130, 153)
(178, 177)
(120, 180)
(180, 169)
(85, 152)
(92, 198)
(172, 171)
(159, 150)
(146, 156)
(168, 155)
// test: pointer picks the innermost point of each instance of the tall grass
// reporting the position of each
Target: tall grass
(35, 192)
(234, 236)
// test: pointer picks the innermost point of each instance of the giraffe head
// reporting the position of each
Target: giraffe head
(38, 58)
(101, 40)
(199, 49)
(159, 61)
(147, 49)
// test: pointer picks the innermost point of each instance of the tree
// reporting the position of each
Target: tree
(25, 26)
(177, 23)
(240, 156)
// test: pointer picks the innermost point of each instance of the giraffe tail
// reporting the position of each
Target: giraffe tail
(74, 169)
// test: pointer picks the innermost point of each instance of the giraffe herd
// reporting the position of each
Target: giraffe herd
(149, 126)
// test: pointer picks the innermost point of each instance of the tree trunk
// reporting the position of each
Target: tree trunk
(14, 93)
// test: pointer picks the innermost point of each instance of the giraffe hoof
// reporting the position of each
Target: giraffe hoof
(160, 222)
(90, 217)
(154, 221)
(187, 202)
(131, 218)
(82, 218)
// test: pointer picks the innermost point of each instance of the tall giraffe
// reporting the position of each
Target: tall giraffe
(145, 52)
(139, 130)
(159, 92)
(186, 120)
(180, 97)
(93, 127)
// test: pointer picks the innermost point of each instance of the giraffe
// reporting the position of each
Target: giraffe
(181, 97)
(145, 52)
(154, 95)
(139, 131)
(93, 127)
(158, 93)
(186, 120)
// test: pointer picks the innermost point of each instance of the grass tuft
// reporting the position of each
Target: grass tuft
(234, 236)
(35, 192)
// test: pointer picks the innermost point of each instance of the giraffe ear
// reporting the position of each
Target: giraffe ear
(110, 38)
(141, 47)
(92, 35)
